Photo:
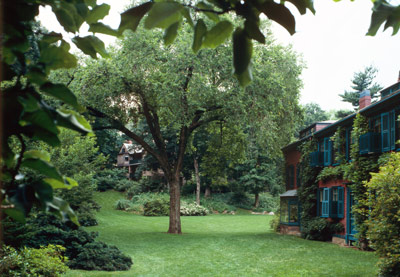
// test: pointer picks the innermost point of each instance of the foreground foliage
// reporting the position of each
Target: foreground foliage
(45, 261)
(81, 248)
(384, 218)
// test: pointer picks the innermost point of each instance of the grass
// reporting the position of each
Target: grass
(220, 245)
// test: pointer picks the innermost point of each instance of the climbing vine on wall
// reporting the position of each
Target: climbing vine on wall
(357, 172)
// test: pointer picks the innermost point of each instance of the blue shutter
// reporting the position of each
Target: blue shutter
(392, 119)
(318, 192)
(325, 202)
(327, 154)
(385, 132)
(340, 206)
(298, 181)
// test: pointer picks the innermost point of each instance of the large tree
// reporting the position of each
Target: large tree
(362, 80)
(172, 88)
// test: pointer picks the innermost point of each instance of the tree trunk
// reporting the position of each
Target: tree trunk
(196, 170)
(207, 192)
(175, 206)
(256, 200)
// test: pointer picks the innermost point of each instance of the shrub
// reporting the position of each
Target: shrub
(192, 209)
(134, 189)
(99, 256)
(241, 199)
(123, 204)
(275, 223)
(109, 178)
(268, 202)
(156, 207)
(320, 229)
(44, 229)
(46, 261)
(384, 218)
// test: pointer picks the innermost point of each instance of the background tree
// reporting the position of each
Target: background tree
(361, 81)
(339, 114)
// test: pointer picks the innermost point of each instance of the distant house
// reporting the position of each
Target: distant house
(334, 196)
(130, 156)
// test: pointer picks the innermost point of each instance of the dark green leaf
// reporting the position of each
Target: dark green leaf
(66, 14)
(218, 34)
(37, 154)
(90, 45)
(51, 37)
(44, 192)
(42, 167)
(253, 31)
(214, 17)
(242, 52)
(40, 118)
(91, 3)
(97, 13)
(186, 14)
(73, 120)
(41, 134)
(67, 183)
(16, 214)
(303, 5)
(170, 33)
(30, 103)
(280, 14)
(200, 31)
(62, 209)
(55, 57)
(60, 92)
(36, 76)
(103, 29)
(130, 19)
(163, 15)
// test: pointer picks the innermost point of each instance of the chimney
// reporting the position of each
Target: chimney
(365, 99)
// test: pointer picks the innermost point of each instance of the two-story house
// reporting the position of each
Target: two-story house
(130, 156)
(334, 197)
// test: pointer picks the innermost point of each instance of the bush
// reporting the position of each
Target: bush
(384, 218)
(192, 209)
(99, 256)
(44, 229)
(268, 203)
(46, 261)
(275, 223)
(109, 178)
(320, 229)
(123, 204)
(156, 207)
(241, 199)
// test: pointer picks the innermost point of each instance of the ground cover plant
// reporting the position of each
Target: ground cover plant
(220, 245)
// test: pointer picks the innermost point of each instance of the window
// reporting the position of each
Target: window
(327, 150)
(298, 181)
(123, 150)
(290, 211)
(331, 202)
(290, 177)
(375, 124)
(126, 158)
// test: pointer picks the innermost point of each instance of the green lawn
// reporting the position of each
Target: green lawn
(220, 245)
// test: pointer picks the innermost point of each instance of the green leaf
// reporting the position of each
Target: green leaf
(218, 34)
(37, 154)
(44, 135)
(97, 13)
(16, 214)
(62, 209)
(242, 52)
(60, 92)
(73, 120)
(303, 5)
(44, 192)
(253, 31)
(163, 15)
(67, 183)
(170, 33)
(55, 57)
(200, 31)
(186, 14)
(280, 14)
(30, 103)
(90, 45)
(214, 17)
(42, 167)
(51, 37)
(91, 3)
(130, 19)
(36, 76)
(103, 29)
(67, 14)
(40, 118)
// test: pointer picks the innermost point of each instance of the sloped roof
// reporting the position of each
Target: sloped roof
(131, 148)
(289, 193)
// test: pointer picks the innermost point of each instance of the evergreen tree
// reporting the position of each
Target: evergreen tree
(362, 80)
